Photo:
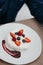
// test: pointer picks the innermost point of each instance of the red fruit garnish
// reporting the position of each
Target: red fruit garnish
(12, 35)
(17, 43)
(27, 40)
(20, 32)
(13, 39)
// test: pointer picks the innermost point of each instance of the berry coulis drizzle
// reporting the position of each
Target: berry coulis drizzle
(15, 54)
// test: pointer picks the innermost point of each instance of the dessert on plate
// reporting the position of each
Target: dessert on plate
(15, 42)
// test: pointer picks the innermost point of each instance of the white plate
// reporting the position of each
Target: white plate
(27, 56)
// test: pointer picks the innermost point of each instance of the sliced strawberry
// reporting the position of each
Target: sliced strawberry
(13, 39)
(27, 40)
(12, 35)
(20, 32)
(17, 43)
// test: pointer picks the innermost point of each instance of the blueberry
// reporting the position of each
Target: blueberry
(23, 35)
(18, 38)
(16, 33)
(23, 41)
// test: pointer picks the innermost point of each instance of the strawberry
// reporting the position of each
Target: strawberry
(12, 35)
(27, 40)
(17, 43)
(20, 32)
(13, 39)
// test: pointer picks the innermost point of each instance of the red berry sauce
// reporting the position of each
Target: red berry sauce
(15, 54)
